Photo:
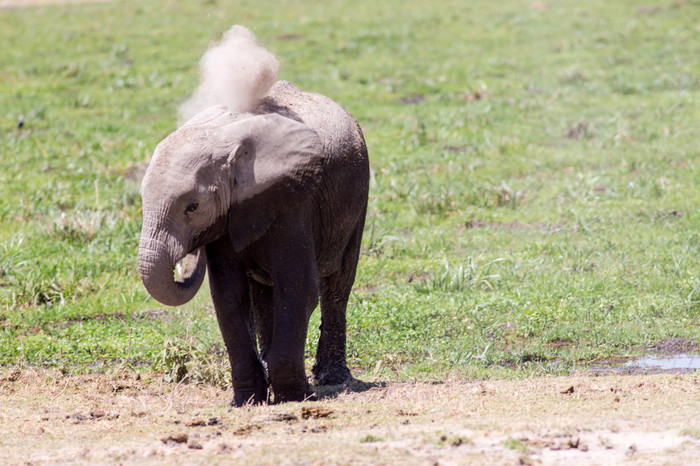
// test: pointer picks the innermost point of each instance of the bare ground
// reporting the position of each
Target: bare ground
(47, 417)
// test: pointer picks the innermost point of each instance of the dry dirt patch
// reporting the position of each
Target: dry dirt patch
(49, 417)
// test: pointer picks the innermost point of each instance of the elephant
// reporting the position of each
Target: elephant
(271, 203)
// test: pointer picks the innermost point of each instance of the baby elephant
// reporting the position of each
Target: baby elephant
(273, 203)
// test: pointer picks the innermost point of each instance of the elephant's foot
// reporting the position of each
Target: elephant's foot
(295, 391)
(287, 378)
(255, 395)
(332, 374)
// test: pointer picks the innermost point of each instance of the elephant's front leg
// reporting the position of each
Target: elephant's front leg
(261, 301)
(229, 291)
(295, 295)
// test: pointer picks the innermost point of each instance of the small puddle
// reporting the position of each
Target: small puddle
(680, 363)
(684, 361)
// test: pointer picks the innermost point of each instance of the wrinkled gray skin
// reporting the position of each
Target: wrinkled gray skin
(273, 204)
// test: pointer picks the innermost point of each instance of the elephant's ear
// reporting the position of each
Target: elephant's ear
(276, 165)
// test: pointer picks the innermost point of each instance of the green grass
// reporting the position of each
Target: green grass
(534, 196)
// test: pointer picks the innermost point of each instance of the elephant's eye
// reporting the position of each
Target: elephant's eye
(191, 208)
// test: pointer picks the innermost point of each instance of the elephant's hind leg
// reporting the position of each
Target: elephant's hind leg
(331, 367)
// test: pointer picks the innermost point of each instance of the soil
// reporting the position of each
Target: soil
(47, 417)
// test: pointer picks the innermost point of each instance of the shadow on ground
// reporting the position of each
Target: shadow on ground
(353, 385)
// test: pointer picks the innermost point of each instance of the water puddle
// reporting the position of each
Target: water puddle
(684, 361)
(680, 363)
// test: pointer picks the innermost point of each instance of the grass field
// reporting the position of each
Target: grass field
(534, 202)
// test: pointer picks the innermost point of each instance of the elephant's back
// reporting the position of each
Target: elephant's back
(338, 130)
(346, 161)
(341, 199)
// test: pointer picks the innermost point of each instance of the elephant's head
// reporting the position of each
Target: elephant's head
(219, 173)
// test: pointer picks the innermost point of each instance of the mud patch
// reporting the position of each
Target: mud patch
(154, 315)
(315, 412)
(474, 223)
(289, 37)
(675, 345)
(158, 314)
(411, 99)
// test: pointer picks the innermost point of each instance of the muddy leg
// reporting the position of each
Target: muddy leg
(331, 367)
(229, 291)
(261, 297)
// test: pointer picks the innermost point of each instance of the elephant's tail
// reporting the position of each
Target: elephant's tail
(235, 72)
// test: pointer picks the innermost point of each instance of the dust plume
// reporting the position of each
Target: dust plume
(235, 73)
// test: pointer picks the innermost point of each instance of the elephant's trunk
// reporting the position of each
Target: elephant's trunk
(158, 259)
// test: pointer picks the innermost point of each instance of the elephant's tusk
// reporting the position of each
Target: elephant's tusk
(188, 269)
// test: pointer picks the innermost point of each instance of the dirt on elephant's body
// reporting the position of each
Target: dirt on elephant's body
(49, 417)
